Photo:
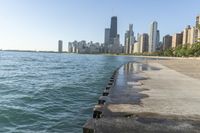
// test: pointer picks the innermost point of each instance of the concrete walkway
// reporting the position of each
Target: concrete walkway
(190, 67)
(150, 98)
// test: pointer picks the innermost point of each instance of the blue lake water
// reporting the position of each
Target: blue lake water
(50, 92)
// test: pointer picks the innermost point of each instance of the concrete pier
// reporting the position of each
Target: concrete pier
(148, 97)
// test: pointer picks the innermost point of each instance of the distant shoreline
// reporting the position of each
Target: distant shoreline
(150, 56)
(33, 51)
(167, 57)
(138, 56)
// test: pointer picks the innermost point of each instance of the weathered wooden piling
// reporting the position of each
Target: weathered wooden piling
(102, 100)
(97, 111)
(105, 92)
(108, 87)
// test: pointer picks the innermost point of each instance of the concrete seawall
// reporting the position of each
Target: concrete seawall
(147, 98)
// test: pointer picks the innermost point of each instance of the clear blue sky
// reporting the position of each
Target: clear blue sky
(39, 24)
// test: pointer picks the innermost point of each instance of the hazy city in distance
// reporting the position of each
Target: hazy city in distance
(25, 29)
(99, 66)
(141, 43)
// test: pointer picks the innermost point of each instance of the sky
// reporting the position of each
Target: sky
(39, 24)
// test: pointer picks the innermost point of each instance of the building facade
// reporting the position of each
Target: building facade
(177, 39)
(111, 38)
(158, 41)
(136, 48)
(186, 35)
(82, 47)
(107, 36)
(60, 46)
(144, 43)
(153, 37)
(113, 29)
(70, 47)
(129, 40)
(192, 35)
(197, 31)
(116, 48)
(106, 39)
(167, 42)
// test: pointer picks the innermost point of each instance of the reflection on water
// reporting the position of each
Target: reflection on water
(138, 67)
(128, 86)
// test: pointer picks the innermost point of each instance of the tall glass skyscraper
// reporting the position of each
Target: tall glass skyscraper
(153, 37)
(129, 40)
(113, 29)
(197, 34)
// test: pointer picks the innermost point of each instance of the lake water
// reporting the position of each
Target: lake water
(50, 92)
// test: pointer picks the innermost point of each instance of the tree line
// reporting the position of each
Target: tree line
(182, 51)
(186, 50)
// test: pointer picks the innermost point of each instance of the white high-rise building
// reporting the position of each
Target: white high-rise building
(197, 34)
(192, 35)
(129, 40)
(153, 37)
(136, 47)
(186, 35)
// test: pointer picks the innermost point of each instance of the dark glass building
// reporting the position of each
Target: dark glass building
(113, 29)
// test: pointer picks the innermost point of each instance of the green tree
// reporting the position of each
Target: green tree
(177, 51)
(168, 52)
(195, 50)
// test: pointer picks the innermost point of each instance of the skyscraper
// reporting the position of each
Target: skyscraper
(153, 37)
(167, 42)
(144, 42)
(113, 29)
(136, 47)
(197, 33)
(106, 40)
(70, 47)
(186, 35)
(192, 35)
(116, 46)
(177, 39)
(126, 44)
(60, 46)
(129, 40)
(158, 40)
(107, 36)
(111, 38)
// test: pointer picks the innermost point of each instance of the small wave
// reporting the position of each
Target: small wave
(44, 92)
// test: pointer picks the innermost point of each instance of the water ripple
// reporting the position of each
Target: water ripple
(44, 92)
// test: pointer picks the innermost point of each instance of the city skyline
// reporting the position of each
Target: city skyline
(24, 28)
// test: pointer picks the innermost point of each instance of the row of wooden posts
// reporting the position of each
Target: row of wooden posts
(98, 109)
